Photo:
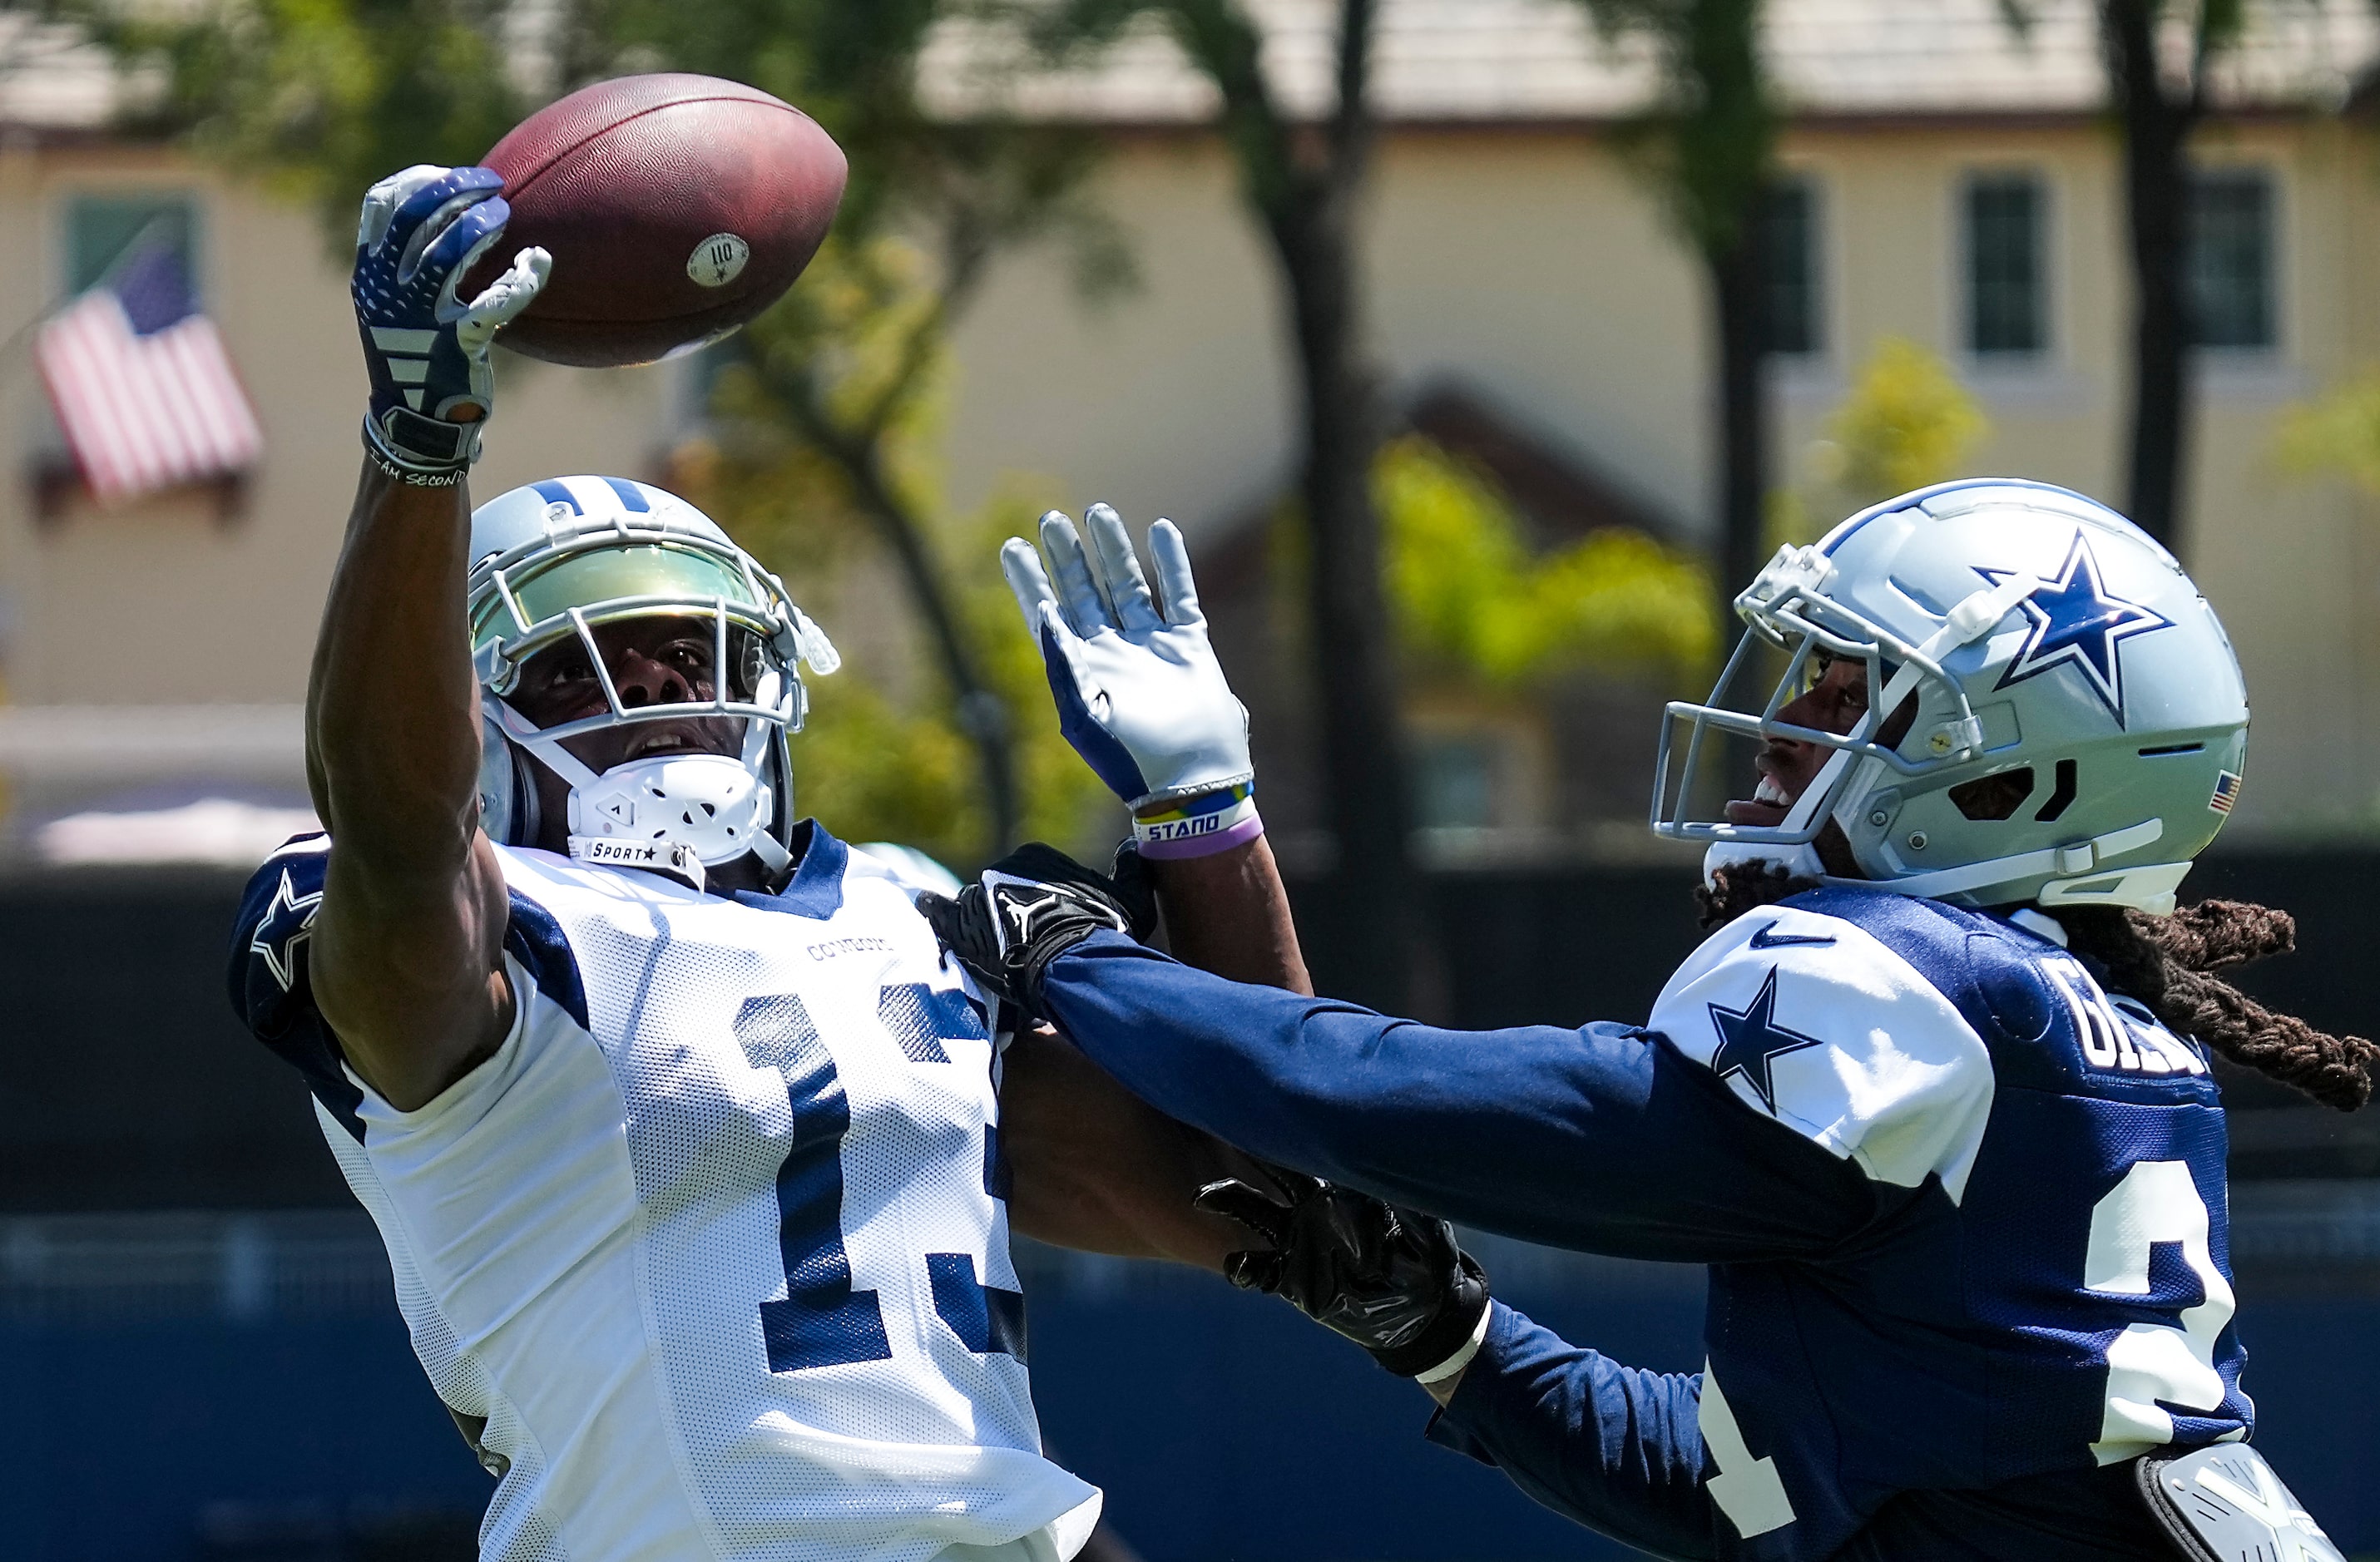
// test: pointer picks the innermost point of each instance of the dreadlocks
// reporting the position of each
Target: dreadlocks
(2167, 962)
(1742, 887)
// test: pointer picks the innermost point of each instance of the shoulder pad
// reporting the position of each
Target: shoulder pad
(277, 922)
(1811, 1019)
(269, 986)
(2045, 1020)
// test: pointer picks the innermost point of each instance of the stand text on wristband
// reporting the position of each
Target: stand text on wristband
(1201, 826)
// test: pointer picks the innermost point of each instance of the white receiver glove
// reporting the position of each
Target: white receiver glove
(1140, 696)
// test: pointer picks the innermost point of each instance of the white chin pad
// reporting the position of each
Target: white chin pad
(1799, 862)
(706, 802)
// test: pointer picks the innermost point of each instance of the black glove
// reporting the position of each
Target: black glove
(1391, 1279)
(1030, 908)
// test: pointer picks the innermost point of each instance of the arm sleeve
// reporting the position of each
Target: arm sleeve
(1603, 1139)
(1616, 1448)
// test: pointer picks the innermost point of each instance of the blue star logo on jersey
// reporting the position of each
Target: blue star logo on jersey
(2075, 622)
(288, 920)
(1751, 1039)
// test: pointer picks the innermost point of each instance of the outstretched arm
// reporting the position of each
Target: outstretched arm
(1098, 1169)
(406, 958)
(1603, 1139)
(1228, 913)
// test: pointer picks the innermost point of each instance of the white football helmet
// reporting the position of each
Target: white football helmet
(560, 558)
(2051, 648)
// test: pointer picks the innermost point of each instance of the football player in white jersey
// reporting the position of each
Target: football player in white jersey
(687, 1144)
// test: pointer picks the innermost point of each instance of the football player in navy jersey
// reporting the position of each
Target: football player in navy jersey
(1932, 1101)
(695, 1158)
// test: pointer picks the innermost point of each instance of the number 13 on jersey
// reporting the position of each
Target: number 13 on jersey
(822, 1320)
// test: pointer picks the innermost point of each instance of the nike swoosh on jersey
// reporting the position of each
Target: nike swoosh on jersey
(1767, 937)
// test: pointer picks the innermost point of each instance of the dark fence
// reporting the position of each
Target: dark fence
(126, 1082)
(238, 1388)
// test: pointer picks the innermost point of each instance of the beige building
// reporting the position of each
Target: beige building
(1954, 183)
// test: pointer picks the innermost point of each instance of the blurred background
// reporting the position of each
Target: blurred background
(1481, 348)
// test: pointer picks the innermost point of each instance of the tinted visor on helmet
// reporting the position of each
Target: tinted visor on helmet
(528, 609)
(610, 582)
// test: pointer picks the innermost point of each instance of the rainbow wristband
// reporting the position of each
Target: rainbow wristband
(1200, 827)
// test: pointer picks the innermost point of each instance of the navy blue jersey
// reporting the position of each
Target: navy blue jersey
(1964, 1211)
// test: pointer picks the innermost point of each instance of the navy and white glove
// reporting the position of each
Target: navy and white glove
(1030, 908)
(1393, 1281)
(431, 384)
(1140, 695)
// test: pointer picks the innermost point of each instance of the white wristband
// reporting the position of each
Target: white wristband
(1202, 826)
(1462, 1358)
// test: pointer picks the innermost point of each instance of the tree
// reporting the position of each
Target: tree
(1907, 422)
(2156, 106)
(1472, 604)
(1709, 146)
(1304, 184)
(2157, 116)
(319, 98)
(873, 766)
(2336, 433)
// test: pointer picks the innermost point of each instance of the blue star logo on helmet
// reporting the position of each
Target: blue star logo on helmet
(2075, 622)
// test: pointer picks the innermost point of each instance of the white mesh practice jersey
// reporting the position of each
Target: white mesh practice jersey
(716, 1241)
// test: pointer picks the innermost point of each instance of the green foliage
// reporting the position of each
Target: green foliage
(1469, 596)
(829, 411)
(320, 98)
(1907, 422)
(2336, 433)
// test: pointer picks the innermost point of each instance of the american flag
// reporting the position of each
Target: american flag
(142, 387)
(2227, 792)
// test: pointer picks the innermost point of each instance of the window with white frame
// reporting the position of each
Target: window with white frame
(2007, 291)
(1796, 314)
(2231, 258)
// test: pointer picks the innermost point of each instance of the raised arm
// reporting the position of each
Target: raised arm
(406, 948)
(1229, 914)
(1142, 698)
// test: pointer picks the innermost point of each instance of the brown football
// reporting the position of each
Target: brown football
(675, 206)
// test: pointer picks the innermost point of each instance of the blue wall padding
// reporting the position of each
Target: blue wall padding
(1222, 1426)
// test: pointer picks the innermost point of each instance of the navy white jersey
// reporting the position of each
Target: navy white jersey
(716, 1240)
(1965, 1213)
